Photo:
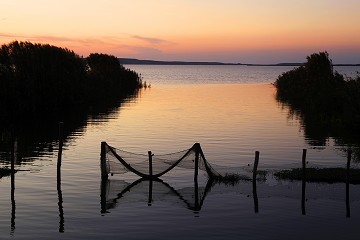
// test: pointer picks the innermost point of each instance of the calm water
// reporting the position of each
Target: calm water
(231, 111)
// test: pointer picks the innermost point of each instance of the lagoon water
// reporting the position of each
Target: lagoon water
(232, 112)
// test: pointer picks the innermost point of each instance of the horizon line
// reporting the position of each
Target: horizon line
(135, 61)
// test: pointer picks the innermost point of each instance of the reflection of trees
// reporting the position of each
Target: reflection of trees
(327, 104)
(318, 133)
(37, 135)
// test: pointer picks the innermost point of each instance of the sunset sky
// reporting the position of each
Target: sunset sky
(246, 31)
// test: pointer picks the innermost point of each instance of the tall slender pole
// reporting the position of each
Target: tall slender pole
(196, 173)
(256, 163)
(303, 186)
(60, 197)
(150, 178)
(150, 164)
(103, 191)
(61, 128)
(150, 191)
(13, 205)
(197, 154)
(347, 184)
(104, 173)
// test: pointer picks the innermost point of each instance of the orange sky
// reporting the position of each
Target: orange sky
(258, 31)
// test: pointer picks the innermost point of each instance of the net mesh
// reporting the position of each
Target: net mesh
(120, 161)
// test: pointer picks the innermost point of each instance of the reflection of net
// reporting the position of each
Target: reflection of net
(115, 192)
(119, 161)
(119, 193)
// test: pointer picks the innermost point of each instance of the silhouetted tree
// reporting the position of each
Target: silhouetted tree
(110, 77)
(37, 77)
(41, 75)
(328, 104)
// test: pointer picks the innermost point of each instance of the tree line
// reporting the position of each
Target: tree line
(327, 102)
(38, 77)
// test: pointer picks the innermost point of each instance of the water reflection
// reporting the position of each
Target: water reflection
(322, 132)
(58, 178)
(13, 152)
(115, 193)
(13, 204)
(37, 135)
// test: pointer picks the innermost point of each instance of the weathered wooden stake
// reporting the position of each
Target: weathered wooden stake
(150, 164)
(304, 161)
(151, 176)
(196, 173)
(103, 190)
(197, 154)
(104, 173)
(13, 205)
(150, 191)
(303, 185)
(256, 163)
(58, 185)
(347, 183)
(13, 150)
(61, 128)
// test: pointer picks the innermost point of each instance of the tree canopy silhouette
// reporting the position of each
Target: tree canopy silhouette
(41, 76)
(327, 102)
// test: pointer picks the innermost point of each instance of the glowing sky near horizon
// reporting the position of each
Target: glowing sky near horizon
(247, 31)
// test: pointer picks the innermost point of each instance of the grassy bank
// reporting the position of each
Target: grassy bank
(5, 172)
(328, 175)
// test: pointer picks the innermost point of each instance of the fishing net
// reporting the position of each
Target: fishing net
(148, 165)
(153, 166)
(279, 179)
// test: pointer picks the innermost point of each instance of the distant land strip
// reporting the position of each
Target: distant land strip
(154, 62)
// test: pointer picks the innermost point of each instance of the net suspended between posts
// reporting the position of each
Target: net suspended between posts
(116, 161)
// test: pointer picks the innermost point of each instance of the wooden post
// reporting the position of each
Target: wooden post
(103, 191)
(150, 164)
(60, 205)
(61, 128)
(256, 163)
(303, 186)
(196, 193)
(13, 149)
(150, 177)
(58, 185)
(104, 173)
(13, 205)
(304, 161)
(196, 173)
(197, 154)
(150, 191)
(347, 183)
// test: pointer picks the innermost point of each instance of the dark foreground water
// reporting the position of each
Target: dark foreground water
(232, 113)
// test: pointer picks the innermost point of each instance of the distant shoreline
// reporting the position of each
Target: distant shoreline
(133, 61)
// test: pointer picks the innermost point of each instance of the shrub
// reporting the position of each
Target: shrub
(38, 77)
